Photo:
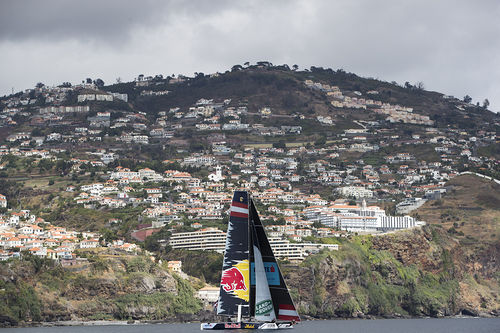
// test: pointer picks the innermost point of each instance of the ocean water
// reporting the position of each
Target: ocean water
(448, 325)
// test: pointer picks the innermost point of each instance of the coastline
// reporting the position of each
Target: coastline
(64, 323)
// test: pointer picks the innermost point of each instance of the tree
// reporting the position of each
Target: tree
(99, 83)
(88, 80)
(320, 141)
(280, 221)
(279, 144)
(420, 85)
(295, 67)
(264, 64)
(467, 99)
(40, 85)
(318, 224)
(118, 80)
(36, 132)
(408, 85)
(236, 68)
(486, 103)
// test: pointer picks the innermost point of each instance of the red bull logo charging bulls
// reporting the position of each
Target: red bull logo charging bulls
(232, 279)
(235, 280)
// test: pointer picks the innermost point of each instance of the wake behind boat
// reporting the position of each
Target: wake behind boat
(253, 292)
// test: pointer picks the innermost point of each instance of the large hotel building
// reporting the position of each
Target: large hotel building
(215, 240)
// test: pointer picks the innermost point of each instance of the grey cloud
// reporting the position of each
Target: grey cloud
(452, 46)
(90, 19)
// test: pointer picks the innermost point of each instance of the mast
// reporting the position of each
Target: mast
(251, 302)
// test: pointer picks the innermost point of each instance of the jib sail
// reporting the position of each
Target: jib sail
(235, 280)
(264, 309)
(283, 305)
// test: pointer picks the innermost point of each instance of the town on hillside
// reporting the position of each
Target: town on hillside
(361, 167)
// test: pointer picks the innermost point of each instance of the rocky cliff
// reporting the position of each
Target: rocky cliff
(108, 287)
(413, 273)
(448, 267)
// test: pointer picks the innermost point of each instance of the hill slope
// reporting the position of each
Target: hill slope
(107, 287)
(284, 91)
(433, 271)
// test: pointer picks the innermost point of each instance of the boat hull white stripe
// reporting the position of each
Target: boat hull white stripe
(239, 210)
(288, 312)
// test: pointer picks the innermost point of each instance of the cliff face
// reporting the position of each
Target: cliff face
(449, 267)
(422, 272)
(107, 288)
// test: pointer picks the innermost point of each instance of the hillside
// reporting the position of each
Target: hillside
(110, 286)
(98, 165)
(283, 91)
(470, 211)
(423, 272)
(434, 271)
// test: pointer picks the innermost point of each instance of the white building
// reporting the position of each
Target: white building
(205, 239)
(209, 294)
(175, 266)
(217, 176)
(358, 219)
(3, 201)
(355, 191)
(296, 251)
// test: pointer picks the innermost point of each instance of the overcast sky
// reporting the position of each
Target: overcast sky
(452, 46)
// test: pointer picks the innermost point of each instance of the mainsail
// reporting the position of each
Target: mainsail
(235, 280)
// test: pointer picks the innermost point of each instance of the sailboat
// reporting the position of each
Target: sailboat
(253, 293)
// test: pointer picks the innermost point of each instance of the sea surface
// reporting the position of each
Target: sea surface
(452, 325)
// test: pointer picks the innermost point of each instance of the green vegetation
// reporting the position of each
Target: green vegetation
(19, 302)
(159, 305)
(118, 287)
(492, 150)
(205, 265)
(374, 282)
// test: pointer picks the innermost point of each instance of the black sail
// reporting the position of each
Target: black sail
(235, 280)
(282, 301)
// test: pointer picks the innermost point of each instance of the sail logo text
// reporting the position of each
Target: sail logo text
(232, 325)
(263, 308)
(271, 268)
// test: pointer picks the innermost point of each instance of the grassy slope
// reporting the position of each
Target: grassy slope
(472, 207)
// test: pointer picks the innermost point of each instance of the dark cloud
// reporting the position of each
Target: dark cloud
(452, 46)
(90, 19)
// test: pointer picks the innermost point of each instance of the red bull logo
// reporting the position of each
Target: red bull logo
(233, 280)
(236, 280)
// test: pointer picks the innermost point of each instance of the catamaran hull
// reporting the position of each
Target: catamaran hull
(246, 325)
